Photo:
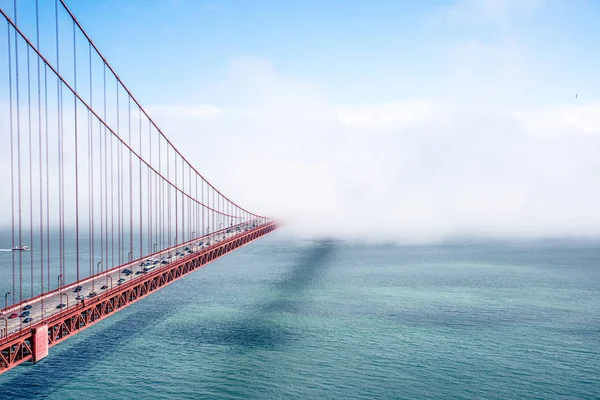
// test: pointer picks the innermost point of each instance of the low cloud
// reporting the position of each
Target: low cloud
(417, 170)
(383, 115)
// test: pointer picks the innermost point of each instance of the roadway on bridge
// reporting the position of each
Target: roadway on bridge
(49, 304)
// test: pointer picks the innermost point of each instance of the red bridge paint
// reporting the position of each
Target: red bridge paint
(29, 345)
(40, 342)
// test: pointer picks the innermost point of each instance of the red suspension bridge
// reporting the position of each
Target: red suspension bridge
(102, 208)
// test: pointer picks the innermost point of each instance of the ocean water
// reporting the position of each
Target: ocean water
(322, 320)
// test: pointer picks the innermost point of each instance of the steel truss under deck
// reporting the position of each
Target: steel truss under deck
(66, 324)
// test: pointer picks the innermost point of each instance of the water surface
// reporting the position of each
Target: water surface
(311, 320)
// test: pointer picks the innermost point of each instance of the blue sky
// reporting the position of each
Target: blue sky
(336, 44)
(357, 51)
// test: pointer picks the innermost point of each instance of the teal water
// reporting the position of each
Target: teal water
(306, 320)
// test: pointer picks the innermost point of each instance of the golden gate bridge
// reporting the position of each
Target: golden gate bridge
(103, 209)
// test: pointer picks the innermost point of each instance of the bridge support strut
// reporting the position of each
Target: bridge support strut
(40, 343)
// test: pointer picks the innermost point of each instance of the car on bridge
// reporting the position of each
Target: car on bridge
(80, 297)
(121, 281)
(61, 305)
(13, 315)
(27, 320)
(78, 289)
(25, 314)
(103, 287)
(127, 271)
(27, 307)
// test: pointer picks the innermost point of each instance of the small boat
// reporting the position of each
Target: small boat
(22, 247)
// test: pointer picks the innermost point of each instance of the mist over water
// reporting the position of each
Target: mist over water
(283, 318)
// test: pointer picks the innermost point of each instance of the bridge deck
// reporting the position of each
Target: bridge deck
(62, 323)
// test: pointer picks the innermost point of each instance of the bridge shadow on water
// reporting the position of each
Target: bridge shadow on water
(62, 365)
(257, 329)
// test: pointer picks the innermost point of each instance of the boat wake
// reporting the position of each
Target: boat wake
(5, 249)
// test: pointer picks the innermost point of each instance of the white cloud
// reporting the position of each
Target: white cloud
(385, 114)
(489, 75)
(583, 118)
(188, 111)
(419, 170)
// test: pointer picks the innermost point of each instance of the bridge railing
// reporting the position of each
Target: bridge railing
(18, 306)
(25, 328)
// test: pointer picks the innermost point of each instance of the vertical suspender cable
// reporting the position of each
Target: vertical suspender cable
(100, 186)
(12, 162)
(91, 225)
(196, 214)
(39, 98)
(160, 201)
(130, 186)
(19, 203)
(190, 212)
(155, 194)
(47, 176)
(76, 154)
(150, 210)
(202, 195)
(183, 236)
(141, 193)
(58, 119)
(119, 192)
(106, 171)
(157, 180)
(176, 202)
(30, 169)
(169, 198)
(112, 202)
